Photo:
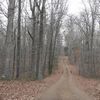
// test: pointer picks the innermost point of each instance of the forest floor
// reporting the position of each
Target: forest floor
(28, 90)
(65, 88)
(90, 85)
(64, 84)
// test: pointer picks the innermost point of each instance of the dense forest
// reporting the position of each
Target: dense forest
(49, 49)
(31, 39)
(83, 41)
(33, 34)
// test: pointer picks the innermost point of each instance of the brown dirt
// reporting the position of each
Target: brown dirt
(90, 85)
(27, 90)
(65, 88)
(69, 86)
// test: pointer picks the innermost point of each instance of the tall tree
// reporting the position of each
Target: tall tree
(39, 69)
(18, 39)
(9, 42)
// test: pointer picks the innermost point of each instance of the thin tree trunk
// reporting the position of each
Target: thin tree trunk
(18, 40)
(39, 69)
(9, 40)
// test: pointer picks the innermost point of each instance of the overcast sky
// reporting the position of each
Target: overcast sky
(75, 6)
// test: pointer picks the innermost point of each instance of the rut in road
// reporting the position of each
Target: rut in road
(65, 88)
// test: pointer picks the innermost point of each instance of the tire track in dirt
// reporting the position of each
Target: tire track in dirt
(65, 88)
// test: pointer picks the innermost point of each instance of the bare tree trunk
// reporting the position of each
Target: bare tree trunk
(33, 41)
(39, 69)
(14, 56)
(9, 45)
(18, 40)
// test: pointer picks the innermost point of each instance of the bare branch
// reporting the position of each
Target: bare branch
(37, 5)
(30, 1)
(30, 35)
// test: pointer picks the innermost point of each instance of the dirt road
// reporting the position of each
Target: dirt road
(65, 88)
